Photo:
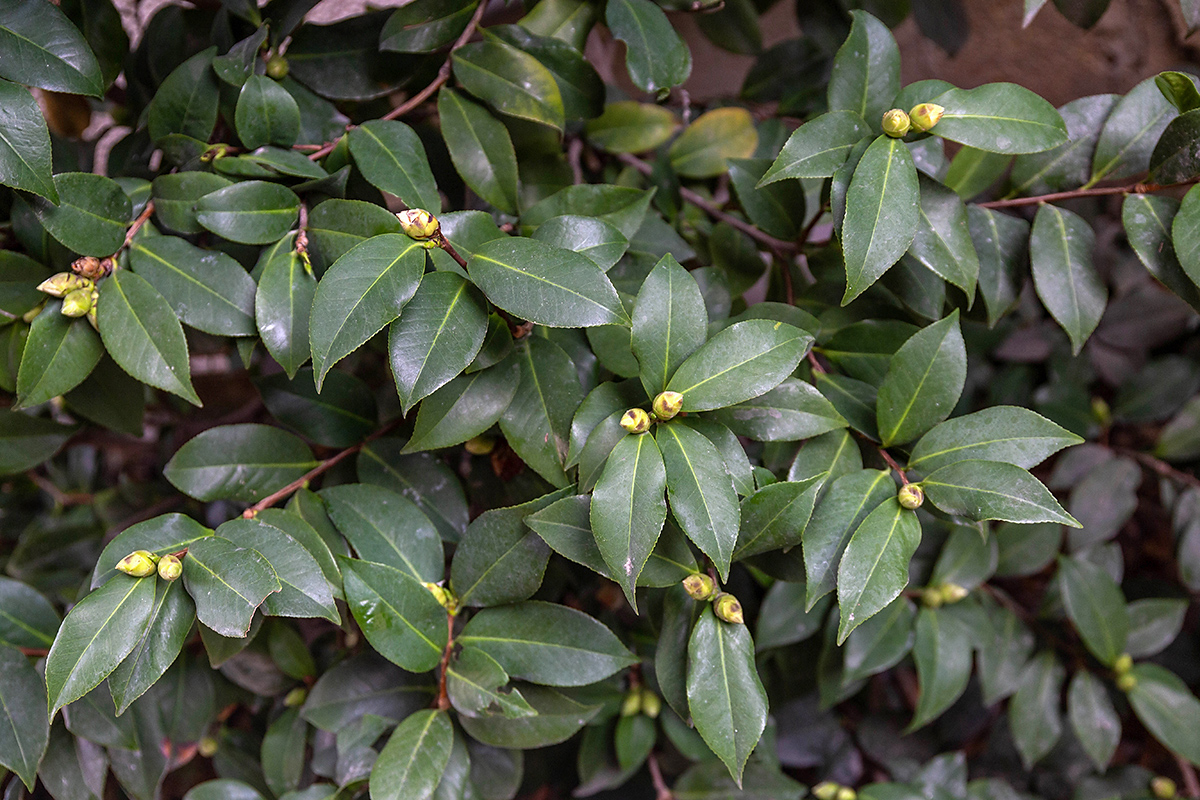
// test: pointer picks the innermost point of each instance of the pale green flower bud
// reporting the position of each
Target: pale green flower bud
(170, 568)
(651, 704)
(846, 793)
(635, 420)
(480, 445)
(1163, 787)
(825, 790)
(277, 67)
(911, 496)
(895, 123)
(419, 224)
(1126, 682)
(727, 607)
(439, 593)
(631, 706)
(924, 116)
(91, 315)
(295, 697)
(1123, 664)
(952, 593)
(667, 405)
(139, 564)
(77, 303)
(63, 283)
(207, 747)
(699, 586)
(931, 597)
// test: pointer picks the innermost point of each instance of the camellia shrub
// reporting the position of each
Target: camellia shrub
(395, 408)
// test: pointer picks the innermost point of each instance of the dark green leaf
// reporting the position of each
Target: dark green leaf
(581, 87)
(725, 696)
(1096, 606)
(1167, 708)
(818, 147)
(669, 322)
(42, 48)
(390, 155)
(622, 207)
(1060, 248)
(1034, 717)
(143, 335)
(1180, 89)
(341, 416)
(874, 569)
(343, 61)
(866, 70)
(91, 214)
(238, 462)
(600, 241)
(942, 651)
(628, 126)
(972, 171)
(655, 56)
(1131, 132)
(943, 241)
(1093, 718)
(304, 591)
(250, 212)
(1000, 242)
(168, 533)
(282, 304)
(27, 441)
(186, 102)
(175, 196)
(400, 617)
(704, 147)
(880, 642)
(1147, 221)
(849, 500)
(207, 289)
(1067, 166)
(159, 645)
(923, 382)
(544, 284)
(101, 630)
(387, 528)
(537, 421)
(558, 718)
(24, 730)
(335, 226)
(983, 490)
(792, 411)
(363, 291)
(228, 583)
(782, 619)
(1153, 625)
(411, 763)
(238, 64)
(548, 644)
(882, 212)
(481, 149)
(511, 81)
(1007, 645)
(701, 492)
(362, 684)
(26, 618)
(775, 517)
(739, 363)
(25, 146)
(629, 509)
(1010, 434)
(476, 684)
(435, 489)
(464, 408)
(266, 114)
(1000, 118)
(426, 25)
(59, 354)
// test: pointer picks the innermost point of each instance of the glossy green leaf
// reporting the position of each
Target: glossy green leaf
(655, 55)
(983, 490)
(880, 642)
(1034, 717)
(1153, 625)
(143, 335)
(1060, 249)
(186, 101)
(25, 730)
(250, 212)
(1131, 132)
(157, 648)
(266, 114)
(622, 207)
(558, 717)
(537, 421)
(411, 763)
(282, 303)
(866, 70)
(91, 214)
(1147, 220)
(433, 487)
(343, 414)
(882, 212)
(481, 149)
(175, 196)
(943, 240)
(781, 618)
(1167, 708)
(1007, 646)
(1180, 89)
(238, 64)
(335, 226)
(923, 382)
(1010, 434)
(792, 411)
(27, 441)
(511, 81)
(399, 616)
(464, 408)
(390, 155)
(304, 592)
(600, 241)
(669, 323)
(739, 363)
(386, 528)
(629, 508)
(500, 560)
(1069, 165)
(874, 568)
(101, 630)
(701, 492)
(849, 500)
(437, 336)
(228, 583)
(476, 685)
(628, 126)
(776, 210)
(725, 696)
(1000, 118)
(775, 517)
(1000, 242)
(42, 48)
(243, 462)
(59, 354)
(972, 171)
(545, 643)
(343, 61)
(362, 292)
(736, 461)
(578, 82)
(207, 289)
(1096, 606)
(25, 148)
(1093, 718)
(942, 652)
(818, 147)
(26, 618)
(706, 145)
(361, 684)
(544, 284)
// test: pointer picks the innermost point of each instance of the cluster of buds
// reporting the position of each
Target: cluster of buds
(421, 226)
(1122, 667)
(444, 596)
(666, 406)
(911, 496)
(701, 587)
(143, 564)
(77, 288)
(828, 790)
(923, 116)
(943, 594)
(641, 700)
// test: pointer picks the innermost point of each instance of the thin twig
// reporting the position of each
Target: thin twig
(443, 697)
(319, 469)
(1134, 188)
(814, 363)
(60, 497)
(138, 223)
(891, 462)
(661, 790)
(444, 243)
(778, 245)
(420, 97)
(1159, 467)
(1191, 783)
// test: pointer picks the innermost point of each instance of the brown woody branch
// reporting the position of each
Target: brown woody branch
(1072, 194)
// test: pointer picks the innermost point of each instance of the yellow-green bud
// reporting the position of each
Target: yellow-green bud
(952, 593)
(439, 594)
(419, 224)
(727, 607)
(651, 704)
(170, 568)
(277, 67)
(207, 747)
(895, 123)
(480, 445)
(667, 405)
(77, 303)
(699, 586)
(1123, 664)
(1163, 787)
(631, 706)
(911, 496)
(91, 315)
(931, 597)
(846, 793)
(825, 790)
(214, 152)
(1126, 681)
(635, 420)
(924, 116)
(295, 697)
(31, 314)
(63, 283)
(139, 564)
